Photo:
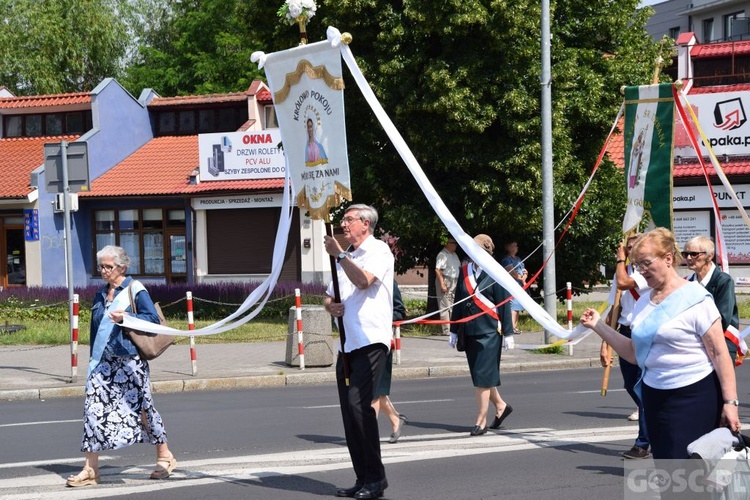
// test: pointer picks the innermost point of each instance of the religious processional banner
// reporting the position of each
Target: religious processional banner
(649, 139)
(308, 93)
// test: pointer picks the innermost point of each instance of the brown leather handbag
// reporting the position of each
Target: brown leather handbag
(150, 345)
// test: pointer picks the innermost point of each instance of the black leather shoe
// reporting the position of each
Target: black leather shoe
(499, 420)
(349, 492)
(372, 490)
(478, 431)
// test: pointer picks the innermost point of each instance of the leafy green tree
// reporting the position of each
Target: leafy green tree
(200, 46)
(60, 45)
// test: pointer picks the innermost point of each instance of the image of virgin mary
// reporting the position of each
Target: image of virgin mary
(315, 154)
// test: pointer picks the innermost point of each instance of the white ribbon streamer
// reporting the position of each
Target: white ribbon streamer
(257, 297)
(473, 250)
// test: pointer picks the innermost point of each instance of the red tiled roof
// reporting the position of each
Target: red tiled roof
(163, 167)
(684, 38)
(694, 169)
(198, 99)
(616, 148)
(722, 49)
(264, 96)
(18, 157)
(38, 101)
(739, 87)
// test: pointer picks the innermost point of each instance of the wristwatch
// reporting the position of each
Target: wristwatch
(619, 260)
(342, 256)
(734, 402)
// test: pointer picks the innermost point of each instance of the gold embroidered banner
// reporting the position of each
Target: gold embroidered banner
(308, 93)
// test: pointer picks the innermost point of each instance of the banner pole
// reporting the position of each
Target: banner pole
(337, 298)
(614, 317)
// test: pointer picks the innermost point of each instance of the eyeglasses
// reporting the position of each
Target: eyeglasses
(692, 254)
(105, 267)
(349, 220)
(640, 266)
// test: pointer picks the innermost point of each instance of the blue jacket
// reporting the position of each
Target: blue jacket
(119, 344)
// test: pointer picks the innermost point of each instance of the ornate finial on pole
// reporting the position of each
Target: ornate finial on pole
(299, 12)
(659, 61)
(346, 38)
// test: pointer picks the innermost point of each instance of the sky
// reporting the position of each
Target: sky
(650, 2)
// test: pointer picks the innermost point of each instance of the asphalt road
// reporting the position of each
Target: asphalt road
(563, 441)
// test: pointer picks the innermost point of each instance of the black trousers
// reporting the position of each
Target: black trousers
(360, 422)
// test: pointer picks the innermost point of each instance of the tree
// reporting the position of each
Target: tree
(60, 45)
(199, 47)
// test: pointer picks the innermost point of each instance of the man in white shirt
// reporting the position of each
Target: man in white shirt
(447, 266)
(365, 275)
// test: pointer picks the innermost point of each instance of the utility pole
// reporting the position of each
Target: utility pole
(548, 199)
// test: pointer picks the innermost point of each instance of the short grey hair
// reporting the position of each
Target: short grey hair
(365, 212)
(118, 255)
(705, 244)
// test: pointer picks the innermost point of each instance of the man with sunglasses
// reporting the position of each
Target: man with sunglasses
(631, 285)
(699, 254)
(365, 276)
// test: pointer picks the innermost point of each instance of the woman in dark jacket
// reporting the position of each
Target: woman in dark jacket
(118, 410)
(483, 337)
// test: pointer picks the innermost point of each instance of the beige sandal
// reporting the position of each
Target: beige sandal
(161, 472)
(86, 477)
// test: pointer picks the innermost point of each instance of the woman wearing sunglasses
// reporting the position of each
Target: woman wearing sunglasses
(699, 255)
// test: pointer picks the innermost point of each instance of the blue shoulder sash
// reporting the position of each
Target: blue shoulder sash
(644, 332)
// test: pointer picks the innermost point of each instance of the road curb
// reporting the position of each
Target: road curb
(298, 379)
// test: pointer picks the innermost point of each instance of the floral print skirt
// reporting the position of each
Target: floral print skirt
(118, 391)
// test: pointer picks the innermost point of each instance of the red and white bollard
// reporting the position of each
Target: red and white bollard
(397, 355)
(300, 336)
(569, 301)
(74, 340)
(191, 326)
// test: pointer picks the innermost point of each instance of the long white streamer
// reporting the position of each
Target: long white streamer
(477, 254)
(257, 297)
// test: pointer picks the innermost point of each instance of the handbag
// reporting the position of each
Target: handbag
(150, 345)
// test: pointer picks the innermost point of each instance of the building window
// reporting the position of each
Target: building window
(735, 26)
(33, 126)
(47, 124)
(167, 122)
(140, 231)
(187, 121)
(206, 120)
(708, 30)
(54, 124)
(674, 32)
(270, 117)
(13, 126)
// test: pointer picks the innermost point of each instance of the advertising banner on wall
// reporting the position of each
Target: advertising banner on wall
(723, 117)
(691, 223)
(241, 155)
(736, 237)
